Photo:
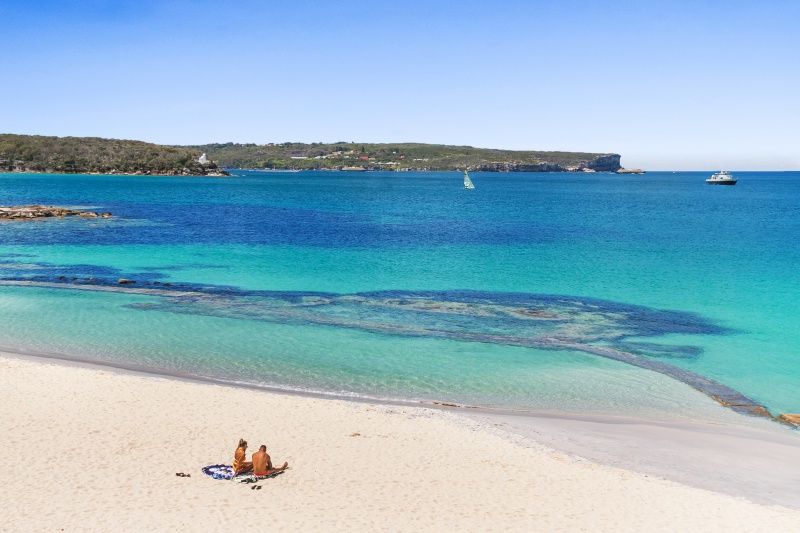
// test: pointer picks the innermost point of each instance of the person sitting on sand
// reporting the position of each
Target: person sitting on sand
(262, 464)
(240, 466)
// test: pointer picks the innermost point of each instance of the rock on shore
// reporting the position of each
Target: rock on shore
(790, 419)
(33, 212)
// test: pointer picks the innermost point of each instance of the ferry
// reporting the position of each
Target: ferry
(721, 178)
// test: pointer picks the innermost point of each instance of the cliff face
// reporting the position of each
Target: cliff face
(517, 167)
(605, 163)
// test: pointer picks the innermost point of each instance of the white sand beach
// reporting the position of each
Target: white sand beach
(92, 449)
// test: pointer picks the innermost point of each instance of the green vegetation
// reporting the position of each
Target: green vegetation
(400, 156)
(34, 153)
(27, 153)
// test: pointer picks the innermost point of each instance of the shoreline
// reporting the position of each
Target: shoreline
(722, 394)
(140, 174)
(447, 405)
(294, 170)
(186, 377)
(761, 464)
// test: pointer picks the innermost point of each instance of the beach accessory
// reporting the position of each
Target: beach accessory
(226, 472)
(219, 471)
(250, 478)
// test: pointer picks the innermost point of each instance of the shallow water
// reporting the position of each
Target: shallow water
(660, 266)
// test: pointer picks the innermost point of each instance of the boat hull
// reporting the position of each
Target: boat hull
(721, 182)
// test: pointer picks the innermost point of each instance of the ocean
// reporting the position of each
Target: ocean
(567, 292)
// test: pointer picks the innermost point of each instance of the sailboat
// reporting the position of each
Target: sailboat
(467, 182)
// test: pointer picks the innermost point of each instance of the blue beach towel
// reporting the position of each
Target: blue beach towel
(226, 472)
(218, 471)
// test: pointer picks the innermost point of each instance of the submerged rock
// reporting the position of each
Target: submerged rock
(123, 281)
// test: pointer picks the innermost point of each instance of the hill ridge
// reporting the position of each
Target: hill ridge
(37, 153)
(403, 156)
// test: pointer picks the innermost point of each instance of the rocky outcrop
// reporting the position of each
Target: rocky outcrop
(606, 163)
(211, 169)
(789, 419)
(34, 212)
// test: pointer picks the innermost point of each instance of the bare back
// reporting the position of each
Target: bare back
(260, 462)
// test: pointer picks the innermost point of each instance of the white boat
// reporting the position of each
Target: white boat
(721, 178)
(467, 182)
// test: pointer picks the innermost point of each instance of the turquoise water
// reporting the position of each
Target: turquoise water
(406, 286)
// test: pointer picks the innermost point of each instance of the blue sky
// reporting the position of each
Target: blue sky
(669, 85)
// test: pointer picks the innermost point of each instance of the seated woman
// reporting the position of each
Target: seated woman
(240, 466)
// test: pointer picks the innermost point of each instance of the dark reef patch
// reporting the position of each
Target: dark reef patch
(599, 327)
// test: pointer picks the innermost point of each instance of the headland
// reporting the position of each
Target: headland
(92, 155)
(417, 157)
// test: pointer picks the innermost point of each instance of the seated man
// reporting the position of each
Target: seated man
(240, 466)
(262, 464)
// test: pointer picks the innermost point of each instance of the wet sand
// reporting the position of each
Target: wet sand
(760, 461)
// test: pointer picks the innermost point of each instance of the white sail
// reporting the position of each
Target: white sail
(467, 182)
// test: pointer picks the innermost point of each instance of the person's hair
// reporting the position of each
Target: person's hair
(263, 448)
(242, 443)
